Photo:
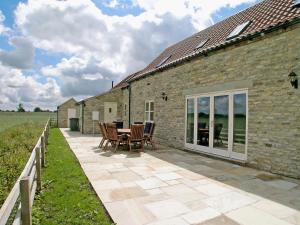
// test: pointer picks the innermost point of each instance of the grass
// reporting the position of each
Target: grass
(16, 144)
(10, 119)
(66, 196)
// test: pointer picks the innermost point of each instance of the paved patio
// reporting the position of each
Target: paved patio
(173, 187)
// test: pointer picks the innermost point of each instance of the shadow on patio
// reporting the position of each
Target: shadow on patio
(280, 189)
(146, 188)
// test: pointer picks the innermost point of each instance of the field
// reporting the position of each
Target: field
(19, 133)
(10, 119)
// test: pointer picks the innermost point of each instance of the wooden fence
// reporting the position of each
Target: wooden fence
(26, 186)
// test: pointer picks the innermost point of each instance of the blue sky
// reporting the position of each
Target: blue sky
(53, 50)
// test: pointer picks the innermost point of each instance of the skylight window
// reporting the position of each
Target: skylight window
(163, 61)
(238, 30)
(201, 44)
(296, 4)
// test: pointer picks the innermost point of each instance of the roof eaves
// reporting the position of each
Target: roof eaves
(222, 45)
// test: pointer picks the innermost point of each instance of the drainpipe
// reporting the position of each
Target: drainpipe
(57, 116)
(129, 104)
(82, 117)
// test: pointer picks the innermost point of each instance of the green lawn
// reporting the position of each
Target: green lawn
(66, 196)
(10, 119)
(16, 144)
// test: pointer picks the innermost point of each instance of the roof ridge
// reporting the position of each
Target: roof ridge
(263, 15)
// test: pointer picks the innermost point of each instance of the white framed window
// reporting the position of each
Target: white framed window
(149, 111)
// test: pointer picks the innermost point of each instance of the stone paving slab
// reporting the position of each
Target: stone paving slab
(173, 187)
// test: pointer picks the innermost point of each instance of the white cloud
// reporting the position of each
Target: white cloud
(112, 4)
(3, 28)
(99, 48)
(16, 88)
(23, 55)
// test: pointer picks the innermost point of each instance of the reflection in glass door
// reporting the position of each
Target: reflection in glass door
(203, 110)
(217, 124)
(190, 121)
(221, 119)
(239, 123)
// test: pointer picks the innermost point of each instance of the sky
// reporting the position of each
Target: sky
(52, 50)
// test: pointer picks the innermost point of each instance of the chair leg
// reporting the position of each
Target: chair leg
(101, 143)
(117, 145)
(129, 143)
(143, 143)
(105, 147)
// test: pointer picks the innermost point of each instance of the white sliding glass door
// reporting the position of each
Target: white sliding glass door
(216, 123)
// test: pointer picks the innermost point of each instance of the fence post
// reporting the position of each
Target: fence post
(25, 201)
(43, 151)
(38, 168)
(46, 136)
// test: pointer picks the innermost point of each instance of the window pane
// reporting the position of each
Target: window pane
(146, 116)
(151, 106)
(151, 116)
(239, 123)
(203, 108)
(147, 106)
(221, 119)
(190, 121)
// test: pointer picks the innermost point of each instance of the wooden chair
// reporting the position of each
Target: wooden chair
(112, 136)
(119, 124)
(104, 135)
(136, 135)
(148, 137)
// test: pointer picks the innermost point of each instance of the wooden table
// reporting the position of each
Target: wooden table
(203, 130)
(124, 131)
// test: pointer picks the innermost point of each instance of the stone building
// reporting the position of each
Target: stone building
(65, 111)
(106, 107)
(226, 90)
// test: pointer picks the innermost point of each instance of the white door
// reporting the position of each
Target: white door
(71, 114)
(216, 123)
(110, 111)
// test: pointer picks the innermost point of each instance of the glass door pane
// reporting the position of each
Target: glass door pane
(203, 109)
(190, 121)
(239, 123)
(221, 119)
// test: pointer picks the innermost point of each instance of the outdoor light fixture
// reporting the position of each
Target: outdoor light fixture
(164, 96)
(293, 78)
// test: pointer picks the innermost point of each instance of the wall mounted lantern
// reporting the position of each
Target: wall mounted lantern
(164, 96)
(293, 78)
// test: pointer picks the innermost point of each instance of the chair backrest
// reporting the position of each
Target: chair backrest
(112, 132)
(138, 123)
(137, 132)
(119, 124)
(217, 129)
(103, 130)
(152, 129)
(201, 125)
(148, 126)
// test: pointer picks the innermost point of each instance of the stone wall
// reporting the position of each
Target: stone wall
(62, 112)
(261, 65)
(97, 104)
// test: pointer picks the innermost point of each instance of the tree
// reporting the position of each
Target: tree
(37, 109)
(20, 108)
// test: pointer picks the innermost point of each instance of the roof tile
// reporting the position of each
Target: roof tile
(263, 16)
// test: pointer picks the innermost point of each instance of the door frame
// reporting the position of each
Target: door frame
(230, 154)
